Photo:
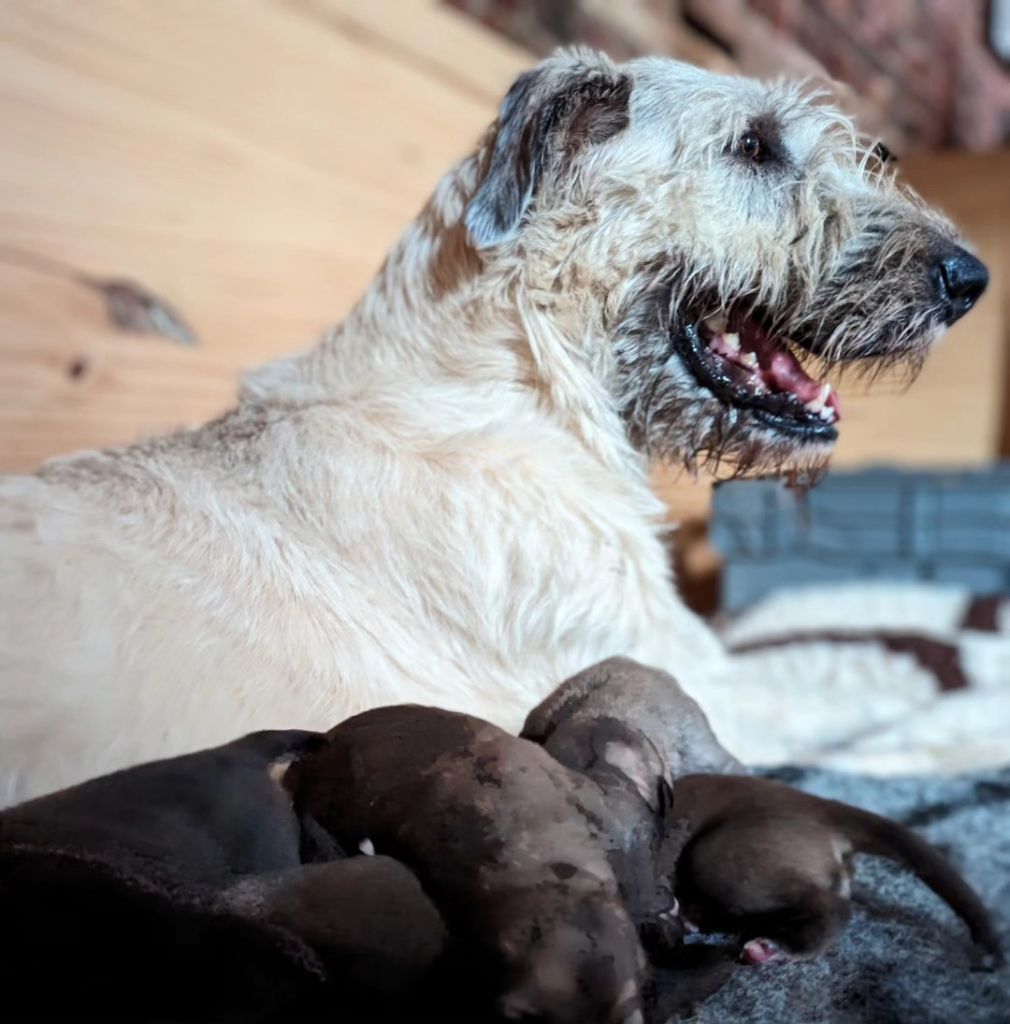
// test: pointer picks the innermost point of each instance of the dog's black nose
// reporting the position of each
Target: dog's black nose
(961, 279)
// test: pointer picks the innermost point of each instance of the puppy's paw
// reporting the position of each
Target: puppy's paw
(763, 951)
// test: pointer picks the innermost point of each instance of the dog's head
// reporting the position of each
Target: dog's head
(709, 238)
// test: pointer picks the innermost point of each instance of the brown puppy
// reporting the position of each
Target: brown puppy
(773, 865)
(675, 736)
(632, 730)
(366, 918)
(505, 839)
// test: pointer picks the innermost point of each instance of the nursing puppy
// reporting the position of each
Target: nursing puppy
(632, 730)
(505, 839)
(749, 856)
(201, 819)
(107, 893)
(773, 865)
(176, 889)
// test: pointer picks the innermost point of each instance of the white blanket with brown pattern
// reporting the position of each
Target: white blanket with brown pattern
(884, 678)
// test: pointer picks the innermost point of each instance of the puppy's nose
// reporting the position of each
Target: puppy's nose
(961, 279)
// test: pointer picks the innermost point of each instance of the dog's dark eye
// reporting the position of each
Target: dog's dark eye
(752, 147)
(883, 154)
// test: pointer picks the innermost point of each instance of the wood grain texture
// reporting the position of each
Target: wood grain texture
(250, 160)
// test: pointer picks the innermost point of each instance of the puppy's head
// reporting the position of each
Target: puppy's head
(572, 960)
(654, 728)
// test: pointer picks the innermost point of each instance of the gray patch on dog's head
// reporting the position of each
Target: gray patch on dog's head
(640, 764)
(550, 113)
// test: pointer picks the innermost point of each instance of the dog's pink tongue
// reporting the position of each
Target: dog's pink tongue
(784, 373)
(781, 370)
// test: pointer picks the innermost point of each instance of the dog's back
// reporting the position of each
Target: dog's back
(174, 595)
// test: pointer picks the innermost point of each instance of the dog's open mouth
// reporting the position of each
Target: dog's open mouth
(743, 365)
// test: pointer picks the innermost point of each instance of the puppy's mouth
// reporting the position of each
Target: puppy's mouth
(747, 367)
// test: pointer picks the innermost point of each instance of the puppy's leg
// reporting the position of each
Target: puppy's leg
(366, 918)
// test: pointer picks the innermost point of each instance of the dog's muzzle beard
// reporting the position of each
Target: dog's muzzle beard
(706, 382)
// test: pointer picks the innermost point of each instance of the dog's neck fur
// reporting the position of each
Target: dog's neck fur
(441, 317)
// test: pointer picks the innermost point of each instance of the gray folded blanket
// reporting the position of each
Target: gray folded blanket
(904, 958)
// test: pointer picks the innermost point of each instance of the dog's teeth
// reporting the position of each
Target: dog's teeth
(749, 359)
(733, 340)
(367, 847)
(818, 404)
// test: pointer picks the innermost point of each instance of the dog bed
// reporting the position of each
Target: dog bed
(867, 621)
(886, 678)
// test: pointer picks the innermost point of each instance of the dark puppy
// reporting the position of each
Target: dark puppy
(203, 818)
(773, 865)
(366, 918)
(505, 839)
(632, 730)
(175, 890)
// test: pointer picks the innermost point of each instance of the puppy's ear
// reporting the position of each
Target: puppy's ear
(642, 767)
(569, 101)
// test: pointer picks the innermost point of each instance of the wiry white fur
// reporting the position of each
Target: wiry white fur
(440, 503)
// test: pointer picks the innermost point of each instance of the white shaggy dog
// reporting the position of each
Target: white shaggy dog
(446, 501)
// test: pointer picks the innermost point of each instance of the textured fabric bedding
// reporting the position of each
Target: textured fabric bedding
(904, 959)
(883, 678)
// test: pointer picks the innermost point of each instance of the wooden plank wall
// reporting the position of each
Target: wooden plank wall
(252, 160)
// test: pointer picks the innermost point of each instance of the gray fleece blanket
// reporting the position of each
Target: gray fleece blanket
(904, 957)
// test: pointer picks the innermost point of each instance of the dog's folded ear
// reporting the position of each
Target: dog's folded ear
(574, 99)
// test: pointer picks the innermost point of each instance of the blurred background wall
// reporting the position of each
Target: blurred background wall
(251, 161)
(923, 73)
